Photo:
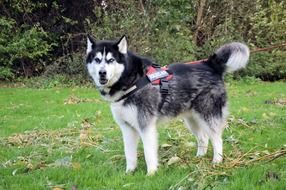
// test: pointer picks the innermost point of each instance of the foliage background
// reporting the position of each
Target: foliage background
(47, 38)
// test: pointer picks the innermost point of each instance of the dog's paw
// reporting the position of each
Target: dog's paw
(217, 160)
(151, 172)
(130, 171)
(199, 155)
(201, 152)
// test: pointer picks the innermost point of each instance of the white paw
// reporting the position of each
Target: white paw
(217, 160)
(202, 151)
(130, 170)
(200, 154)
(152, 171)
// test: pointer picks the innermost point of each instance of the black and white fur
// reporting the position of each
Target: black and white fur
(196, 93)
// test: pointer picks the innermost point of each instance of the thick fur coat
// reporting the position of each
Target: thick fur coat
(196, 93)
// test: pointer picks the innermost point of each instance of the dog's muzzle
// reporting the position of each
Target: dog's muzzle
(102, 77)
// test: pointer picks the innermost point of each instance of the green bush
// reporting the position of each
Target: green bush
(269, 66)
(21, 46)
(159, 30)
(48, 37)
(34, 34)
(70, 67)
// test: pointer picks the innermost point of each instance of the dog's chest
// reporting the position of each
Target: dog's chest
(125, 114)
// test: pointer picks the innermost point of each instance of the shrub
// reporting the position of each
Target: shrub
(20, 47)
(48, 37)
(269, 66)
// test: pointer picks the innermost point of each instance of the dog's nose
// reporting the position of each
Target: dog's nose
(102, 73)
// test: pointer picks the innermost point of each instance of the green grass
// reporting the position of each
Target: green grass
(66, 137)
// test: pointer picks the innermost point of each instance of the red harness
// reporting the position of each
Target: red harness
(157, 74)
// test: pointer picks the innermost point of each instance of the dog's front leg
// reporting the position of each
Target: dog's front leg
(130, 139)
(150, 143)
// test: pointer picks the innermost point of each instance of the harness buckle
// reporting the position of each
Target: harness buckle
(164, 87)
(157, 75)
(156, 66)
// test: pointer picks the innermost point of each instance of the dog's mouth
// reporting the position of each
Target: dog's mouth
(103, 81)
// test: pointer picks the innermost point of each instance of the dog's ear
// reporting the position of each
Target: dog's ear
(122, 45)
(90, 43)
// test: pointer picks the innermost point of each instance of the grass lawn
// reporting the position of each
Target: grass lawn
(65, 138)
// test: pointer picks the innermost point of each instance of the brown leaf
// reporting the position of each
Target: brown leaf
(173, 160)
(76, 165)
(76, 100)
(166, 145)
(57, 188)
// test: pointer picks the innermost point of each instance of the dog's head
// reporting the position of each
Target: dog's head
(105, 60)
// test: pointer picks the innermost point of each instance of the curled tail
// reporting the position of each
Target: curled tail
(228, 58)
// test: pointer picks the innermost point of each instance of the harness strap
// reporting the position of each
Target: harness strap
(139, 84)
(164, 90)
(162, 76)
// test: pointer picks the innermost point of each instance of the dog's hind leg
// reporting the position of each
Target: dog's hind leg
(216, 139)
(150, 142)
(217, 125)
(213, 127)
(200, 134)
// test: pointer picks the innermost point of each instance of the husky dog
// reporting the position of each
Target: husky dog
(196, 92)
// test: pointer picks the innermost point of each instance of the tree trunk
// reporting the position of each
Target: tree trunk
(199, 21)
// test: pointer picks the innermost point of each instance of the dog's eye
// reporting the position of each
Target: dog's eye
(110, 60)
(97, 60)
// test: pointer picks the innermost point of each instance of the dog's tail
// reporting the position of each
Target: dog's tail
(230, 57)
